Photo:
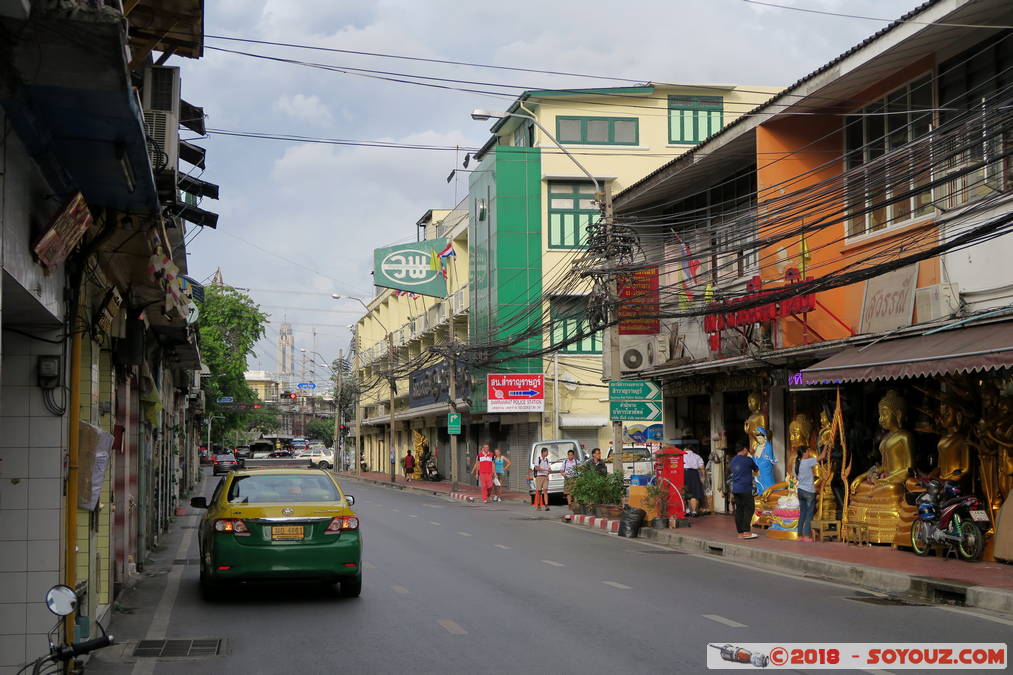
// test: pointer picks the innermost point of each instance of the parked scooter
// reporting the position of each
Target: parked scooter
(946, 517)
(62, 600)
(429, 471)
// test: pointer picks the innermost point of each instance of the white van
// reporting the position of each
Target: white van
(557, 453)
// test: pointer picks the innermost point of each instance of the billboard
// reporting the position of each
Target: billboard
(515, 392)
(639, 303)
(432, 385)
(419, 267)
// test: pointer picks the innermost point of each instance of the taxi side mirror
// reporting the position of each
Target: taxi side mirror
(199, 502)
(350, 499)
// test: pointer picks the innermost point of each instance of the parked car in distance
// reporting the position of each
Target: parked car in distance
(280, 454)
(319, 458)
(557, 453)
(275, 525)
(224, 463)
(242, 452)
(636, 459)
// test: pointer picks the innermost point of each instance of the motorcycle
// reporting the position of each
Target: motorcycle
(62, 601)
(429, 471)
(949, 518)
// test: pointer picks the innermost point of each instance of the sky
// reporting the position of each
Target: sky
(299, 221)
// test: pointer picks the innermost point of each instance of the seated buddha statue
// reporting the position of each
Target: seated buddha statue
(778, 506)
(878, 494)
(755, 420)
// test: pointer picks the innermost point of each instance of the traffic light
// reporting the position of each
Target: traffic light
(288, 395)
(256, 405)
(343, 428)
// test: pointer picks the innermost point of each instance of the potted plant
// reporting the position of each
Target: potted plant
(585, 488)
(657, 497)
(612, 492)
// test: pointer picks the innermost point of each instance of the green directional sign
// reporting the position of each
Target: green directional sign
(634, 390)
(635, 411)
(453, 423)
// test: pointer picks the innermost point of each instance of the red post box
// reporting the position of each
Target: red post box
(668, 465)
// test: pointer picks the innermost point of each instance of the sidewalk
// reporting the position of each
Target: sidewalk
(987, 585)
(464, 491)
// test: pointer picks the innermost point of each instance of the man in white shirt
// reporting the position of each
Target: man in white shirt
(541, 469)
(692, 465)
(569, 471)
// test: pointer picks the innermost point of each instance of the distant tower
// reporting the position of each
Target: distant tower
(286, 355)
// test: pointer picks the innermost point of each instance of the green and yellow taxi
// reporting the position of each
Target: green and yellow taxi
(279, 524)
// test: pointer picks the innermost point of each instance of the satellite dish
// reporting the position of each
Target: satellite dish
(569, 381)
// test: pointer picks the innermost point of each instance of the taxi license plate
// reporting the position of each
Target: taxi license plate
(979, 516)
(287, 532)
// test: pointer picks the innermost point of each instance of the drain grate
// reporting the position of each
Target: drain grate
(888, 601)
(177, 648)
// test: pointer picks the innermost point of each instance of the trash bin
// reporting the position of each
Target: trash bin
(630, 522)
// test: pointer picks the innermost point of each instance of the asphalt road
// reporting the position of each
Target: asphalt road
(451, 587)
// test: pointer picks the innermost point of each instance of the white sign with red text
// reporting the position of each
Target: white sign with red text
(515, 392)
(857, 655)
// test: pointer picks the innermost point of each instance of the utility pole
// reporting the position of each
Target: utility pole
(339, 441)
(452, 393)
(613, 334)
(390, 442)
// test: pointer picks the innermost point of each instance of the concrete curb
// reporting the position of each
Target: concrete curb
(874, 578)
(462, 496)
(420, 490)
(595, 523)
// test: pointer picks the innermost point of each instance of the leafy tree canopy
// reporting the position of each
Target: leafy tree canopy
(230, 325)
(320, 429)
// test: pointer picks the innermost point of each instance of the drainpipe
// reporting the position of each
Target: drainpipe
(73, 447)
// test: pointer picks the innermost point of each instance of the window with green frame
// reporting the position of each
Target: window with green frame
(598, 130)
(569, 319)
(571, 210)
(693, 118)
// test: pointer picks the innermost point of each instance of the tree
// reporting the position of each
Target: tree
(321, 429)
(230, 325)
(349, 388)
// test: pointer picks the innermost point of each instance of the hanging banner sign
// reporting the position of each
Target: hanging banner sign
(416, 267)
(639, 303)
(728, 316)
(512, 392)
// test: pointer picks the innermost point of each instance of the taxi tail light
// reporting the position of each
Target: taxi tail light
(341, 523)
(233, 525)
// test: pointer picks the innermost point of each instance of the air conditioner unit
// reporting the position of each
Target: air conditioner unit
(641, 352)
(161, 116)
(936, 302)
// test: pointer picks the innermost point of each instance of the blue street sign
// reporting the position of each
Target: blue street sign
(225, 399)
(306, 385)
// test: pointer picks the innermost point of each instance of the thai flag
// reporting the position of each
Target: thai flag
(448, 252)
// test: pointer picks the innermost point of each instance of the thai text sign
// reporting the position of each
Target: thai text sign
(634, 390)
(727, 315)
(889, 300)
(413, 267)
(639, 303)
(454, 423)
(512, 392)
(432, 385)
(64, 232)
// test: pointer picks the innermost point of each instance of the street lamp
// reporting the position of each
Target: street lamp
(210, 420)
(390, 365)
(606, 203)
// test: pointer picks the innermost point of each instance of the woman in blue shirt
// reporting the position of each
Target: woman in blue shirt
(502, 464)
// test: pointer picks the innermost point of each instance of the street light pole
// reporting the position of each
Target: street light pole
(210, 420)
(390, 363)
(339, 440)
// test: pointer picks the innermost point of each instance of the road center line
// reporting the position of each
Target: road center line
(727, 622)
(452, 627)
(553, 563)
(412, 515)
(616, 584)
(400, 589)
(505, 548)
(368, 565)
(433, 522)
(396, 510)
(464, 534)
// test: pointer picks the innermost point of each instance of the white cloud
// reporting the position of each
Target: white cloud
(304, 108)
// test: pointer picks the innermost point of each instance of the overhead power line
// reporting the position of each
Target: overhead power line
(876, 18)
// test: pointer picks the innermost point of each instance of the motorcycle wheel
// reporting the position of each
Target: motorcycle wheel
(920, 538)
(972, 541)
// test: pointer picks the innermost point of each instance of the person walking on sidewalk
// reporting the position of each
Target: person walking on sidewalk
(807, 491)
(541, 469)
(484, 469)
(502, 464)
(692, 465)
(598, 463)
(569, 471)
(742, 469)
(409, 466)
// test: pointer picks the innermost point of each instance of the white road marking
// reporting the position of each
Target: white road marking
(616, 584)
(553, 563)
(971, 612)
(505, 548)
(368, 565)
(452, 627)
(396, 510)
(727, 622)
(433, 522)
(464, 534)
(412, 515)
(400, 589)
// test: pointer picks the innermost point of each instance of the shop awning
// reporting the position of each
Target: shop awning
(959, 350)
(570, 421)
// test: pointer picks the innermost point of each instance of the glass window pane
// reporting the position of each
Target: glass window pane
(555, 229)
(625, 131)
(569, 131)
(560, 203)
(715, 122)
(853, 140)
(597, 131)
(875, 130)
(689, 131)
(586, 205)
(675, 126)
(568, 238)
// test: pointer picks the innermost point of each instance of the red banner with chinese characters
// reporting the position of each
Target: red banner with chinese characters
(639, 303)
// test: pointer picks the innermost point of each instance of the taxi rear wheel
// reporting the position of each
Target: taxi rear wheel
(351, 588)
(209, 590)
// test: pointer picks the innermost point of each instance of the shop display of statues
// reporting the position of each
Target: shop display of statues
(763, 455)
(778, 507)
(877, 496)
(755, 420)
(831, 483)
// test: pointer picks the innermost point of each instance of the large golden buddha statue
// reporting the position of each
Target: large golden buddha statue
(779, 506)
(755, 420)
(877, 496)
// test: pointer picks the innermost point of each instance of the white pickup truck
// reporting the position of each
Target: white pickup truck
(637, 459)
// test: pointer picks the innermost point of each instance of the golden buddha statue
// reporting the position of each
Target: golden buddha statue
(830, 483)
(779, 505)
(953, 446)
(877, 496)
(755, 420)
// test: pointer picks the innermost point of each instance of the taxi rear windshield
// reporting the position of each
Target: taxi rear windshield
(260, 489)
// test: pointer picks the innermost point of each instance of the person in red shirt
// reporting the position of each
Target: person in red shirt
(486, 471)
